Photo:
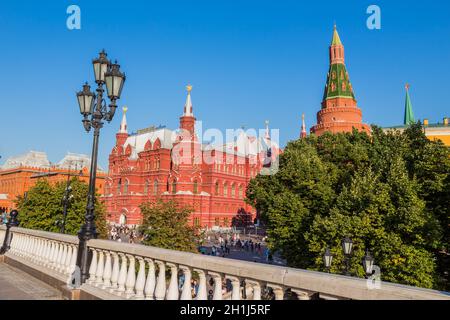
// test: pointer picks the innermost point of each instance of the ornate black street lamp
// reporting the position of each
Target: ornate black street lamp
(327, 259)
(67, 198)
(347, 246)
(94, 110)
(368, 264)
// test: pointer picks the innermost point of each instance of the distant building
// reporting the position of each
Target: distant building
(433, 131)
(339, 112)
(158, 163)
(18, 174)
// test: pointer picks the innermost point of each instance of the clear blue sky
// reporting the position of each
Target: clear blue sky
(247, 60)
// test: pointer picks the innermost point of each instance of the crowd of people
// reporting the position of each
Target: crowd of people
(221, 245)
(121, 233)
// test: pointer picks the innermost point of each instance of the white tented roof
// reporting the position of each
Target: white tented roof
(75, 161)
(137, 142)
(244, 145)
(31, 159)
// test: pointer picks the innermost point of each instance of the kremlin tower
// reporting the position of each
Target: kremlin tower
(340, 112)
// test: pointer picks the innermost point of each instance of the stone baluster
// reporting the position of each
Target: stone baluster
(29, 247)
(26, 244)
(40, 250)
(277, 290)
(62, 264)
(140, 281)
(73, 259)
(50, 253)
(301, 295)
(93, 267)
(217, 295)
(19, 245)
(172, 291)
(256, 288)
(115, 271)
(33, 249)
(131, 277)
(150, 283)
(67, 260)
(202, 291)
(236, 287)
(160, 290)
(58, 256)
(122, 275)
(47, 249)
(107, 271)
(186, 293)
(100, 268)
(54, 254)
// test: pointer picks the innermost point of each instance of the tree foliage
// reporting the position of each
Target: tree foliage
(42, 209)
(165, 225)
(389, 192)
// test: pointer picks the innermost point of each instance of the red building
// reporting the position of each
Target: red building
(161, 163)
(339, 112)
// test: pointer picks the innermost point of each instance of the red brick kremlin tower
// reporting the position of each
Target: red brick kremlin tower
(340, 112)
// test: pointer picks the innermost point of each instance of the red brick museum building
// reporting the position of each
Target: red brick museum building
(174, 165)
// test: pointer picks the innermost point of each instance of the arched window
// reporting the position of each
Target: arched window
(146, 187)
(174, 186)
(217, 188)
(225, 189)
(119, 185)
(241, 192)
(125, 187)
(233, 190)
(155, 187)
(195, 187)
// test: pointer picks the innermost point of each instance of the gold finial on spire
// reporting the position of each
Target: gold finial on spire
(189, 88)
(303, 116)
(125, 109)
(407, 86)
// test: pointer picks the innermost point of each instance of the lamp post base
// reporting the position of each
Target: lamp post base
(84, 255)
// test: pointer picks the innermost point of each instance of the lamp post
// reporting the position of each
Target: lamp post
(327, 259)
(368, 264)
(66, 198)
(347, 246)
(94, 110)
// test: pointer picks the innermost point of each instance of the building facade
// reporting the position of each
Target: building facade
(339, 112)
(18, 174)
(433, 131)
(158, 163)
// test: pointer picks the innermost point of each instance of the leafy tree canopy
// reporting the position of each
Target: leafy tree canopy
(165, 225)
(389, 192)
(42, 209)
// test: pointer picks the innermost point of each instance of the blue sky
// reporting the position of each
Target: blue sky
(248, 61)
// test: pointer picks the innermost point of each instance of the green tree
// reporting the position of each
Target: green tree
(42, 209)
(165, 225)
(389, 192)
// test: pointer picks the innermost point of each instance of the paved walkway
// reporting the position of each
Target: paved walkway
(18, 285)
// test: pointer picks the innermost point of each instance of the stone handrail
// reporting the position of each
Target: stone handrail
(135, 271)
(54, 252)
(2, 233)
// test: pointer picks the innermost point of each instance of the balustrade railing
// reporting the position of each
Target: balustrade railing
(52, 251)
(133, 271)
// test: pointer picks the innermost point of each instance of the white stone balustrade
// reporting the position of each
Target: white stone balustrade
(132, 271)
(54, 252)
(154, 274)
